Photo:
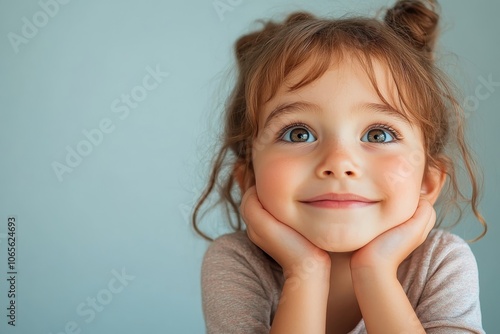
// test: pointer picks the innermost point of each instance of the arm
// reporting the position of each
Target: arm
(441, 281)
(302, 307)
(382, 300)
(303, 302)
(384, 304)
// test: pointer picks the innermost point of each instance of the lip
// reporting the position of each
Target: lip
(339, 201)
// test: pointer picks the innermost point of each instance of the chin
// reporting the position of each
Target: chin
(340, 246)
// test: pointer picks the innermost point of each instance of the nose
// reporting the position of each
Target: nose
(339, 161)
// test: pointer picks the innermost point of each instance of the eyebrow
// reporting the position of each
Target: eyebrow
(288, 108)
(388, 110)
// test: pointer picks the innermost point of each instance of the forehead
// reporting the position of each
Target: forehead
(373, 79)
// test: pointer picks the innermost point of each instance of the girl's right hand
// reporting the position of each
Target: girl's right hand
(306, 269)
(294, 253)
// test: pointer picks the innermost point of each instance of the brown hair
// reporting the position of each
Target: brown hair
(403, 41)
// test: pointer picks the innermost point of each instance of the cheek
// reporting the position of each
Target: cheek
(275, 180)
(401, 183)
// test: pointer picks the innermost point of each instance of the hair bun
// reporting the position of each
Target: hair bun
(416, 21)
(245, 44)
(298, 17)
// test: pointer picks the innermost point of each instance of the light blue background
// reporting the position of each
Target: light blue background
(125, 206)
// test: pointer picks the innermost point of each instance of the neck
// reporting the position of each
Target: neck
(340, 272)
(340, 263)
(343, 312)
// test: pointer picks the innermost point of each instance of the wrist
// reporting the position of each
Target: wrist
(363, 265)
(310, 269)
(316, 264)
(374, 276)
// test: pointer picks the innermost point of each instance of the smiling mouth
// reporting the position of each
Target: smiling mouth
(339, 201)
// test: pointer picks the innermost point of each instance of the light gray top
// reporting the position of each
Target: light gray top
(241, 286)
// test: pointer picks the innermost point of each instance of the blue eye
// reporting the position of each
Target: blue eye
(298, 135)
(378, 135)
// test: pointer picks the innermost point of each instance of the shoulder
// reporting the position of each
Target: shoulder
(240, 285)
(441, 280)
(236, 241)
(233, 256)
(440, 240)
(443, 254)
(442, 247)
(238, 247)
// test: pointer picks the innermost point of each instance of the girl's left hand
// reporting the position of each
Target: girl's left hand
(388, 250)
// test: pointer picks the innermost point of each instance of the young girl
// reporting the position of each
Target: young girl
(340, 135)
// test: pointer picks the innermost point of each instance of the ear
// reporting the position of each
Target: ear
(432, 183)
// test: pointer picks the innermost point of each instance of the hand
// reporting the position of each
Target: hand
(381, 298)
(306, 269)
(388, 250)
(284, 244)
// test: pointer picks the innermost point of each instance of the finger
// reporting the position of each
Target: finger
(431, 222)
(262, 229)
(416, 229)
(246, 196)
(425, 218)
(252, 210)
(261, 224)
(259, 221)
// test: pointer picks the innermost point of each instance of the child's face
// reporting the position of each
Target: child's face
(348, 143)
